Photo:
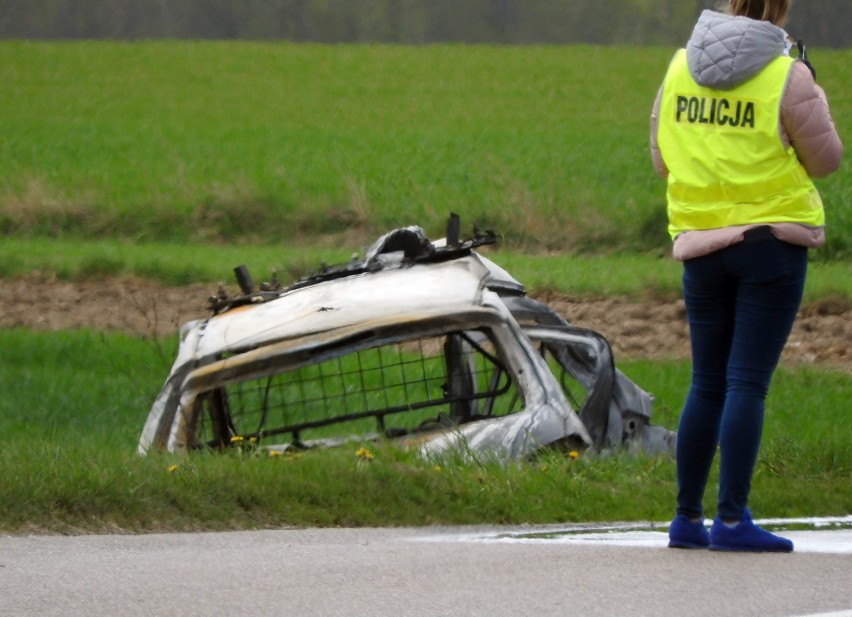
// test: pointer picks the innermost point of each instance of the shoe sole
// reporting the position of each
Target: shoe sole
(740, 549)
(687, 545)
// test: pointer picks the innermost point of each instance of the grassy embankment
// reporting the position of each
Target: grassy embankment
(74, 404)
(144, 158)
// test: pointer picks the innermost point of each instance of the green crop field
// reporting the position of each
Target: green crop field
(264, 142)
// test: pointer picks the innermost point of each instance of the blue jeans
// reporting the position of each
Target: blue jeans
(741, 302)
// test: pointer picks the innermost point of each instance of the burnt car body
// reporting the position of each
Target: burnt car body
(420, 341)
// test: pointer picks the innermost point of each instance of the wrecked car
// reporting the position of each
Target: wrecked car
(426, 342)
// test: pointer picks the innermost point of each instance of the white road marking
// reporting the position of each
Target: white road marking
(809, 535)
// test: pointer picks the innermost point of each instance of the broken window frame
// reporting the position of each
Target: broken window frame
(199, 385)
(454, 359)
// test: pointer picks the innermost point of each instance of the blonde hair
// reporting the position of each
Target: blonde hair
(773, 11)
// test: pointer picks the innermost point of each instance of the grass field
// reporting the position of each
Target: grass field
(269, 142)
(75, 402)
(178, 161)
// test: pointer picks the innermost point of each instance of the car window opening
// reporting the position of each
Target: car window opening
(391, 390)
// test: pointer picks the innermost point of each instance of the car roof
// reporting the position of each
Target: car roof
(343, 302)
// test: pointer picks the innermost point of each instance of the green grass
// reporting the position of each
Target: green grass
(75, 402)
(271, 142)
(621, 274)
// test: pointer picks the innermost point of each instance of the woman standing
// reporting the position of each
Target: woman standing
(739, 128)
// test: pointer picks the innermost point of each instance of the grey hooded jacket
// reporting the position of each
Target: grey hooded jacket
(724, 51)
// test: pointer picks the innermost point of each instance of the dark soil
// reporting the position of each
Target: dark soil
(635, 328)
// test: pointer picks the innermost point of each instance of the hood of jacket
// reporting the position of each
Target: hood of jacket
(726, 50)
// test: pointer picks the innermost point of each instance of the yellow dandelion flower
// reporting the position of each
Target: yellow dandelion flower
(275, 453)
(252, 439)
(237, 439)
(364, 453)
(573, 454)
(172, 468)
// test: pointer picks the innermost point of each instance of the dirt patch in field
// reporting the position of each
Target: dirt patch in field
(635, 328)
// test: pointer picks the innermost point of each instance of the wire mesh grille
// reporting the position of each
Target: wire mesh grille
(393, 389)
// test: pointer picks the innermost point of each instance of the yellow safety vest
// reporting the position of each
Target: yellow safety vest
(727, 163)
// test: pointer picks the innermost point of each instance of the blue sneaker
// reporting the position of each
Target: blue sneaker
(746, 536)
(684, 533)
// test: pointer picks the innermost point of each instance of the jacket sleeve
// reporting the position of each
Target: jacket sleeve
(806, 119)
(656, 155)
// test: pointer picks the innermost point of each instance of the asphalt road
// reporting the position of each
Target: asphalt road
(425, 571)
